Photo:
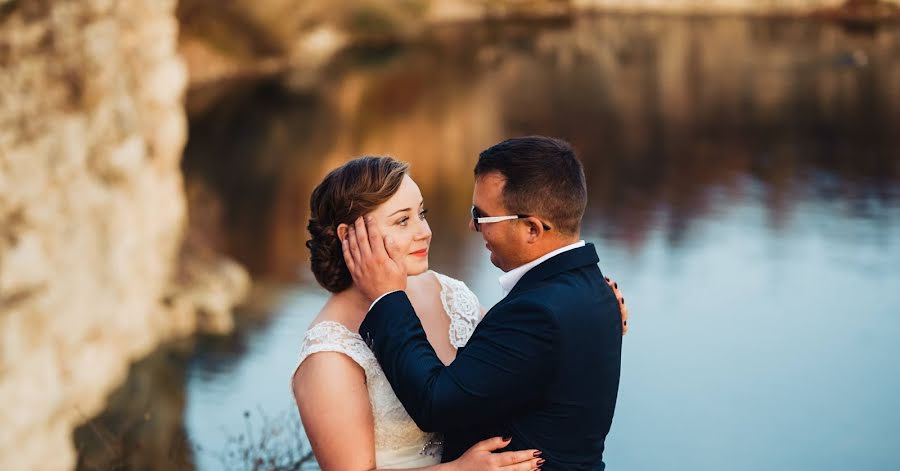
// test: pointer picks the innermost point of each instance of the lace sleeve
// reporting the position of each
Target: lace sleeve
(330, 336)
(462, 306)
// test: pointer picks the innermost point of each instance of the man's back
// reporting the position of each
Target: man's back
(571, 417)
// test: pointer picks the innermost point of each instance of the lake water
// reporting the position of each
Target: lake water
(744, 185)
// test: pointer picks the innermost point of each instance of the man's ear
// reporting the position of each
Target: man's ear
(342, 231)
(535, 229)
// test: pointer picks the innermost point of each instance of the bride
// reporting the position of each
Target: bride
(351, 415)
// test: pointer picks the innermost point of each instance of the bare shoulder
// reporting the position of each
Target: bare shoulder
(326, 366)
(440, 282)
(332, 397)
(326, 371)
(424, 285)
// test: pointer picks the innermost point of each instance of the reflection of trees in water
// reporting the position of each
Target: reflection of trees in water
(674, 118)
(670, 115)
(243, 149)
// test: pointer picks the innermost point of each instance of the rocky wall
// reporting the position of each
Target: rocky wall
(92, 209)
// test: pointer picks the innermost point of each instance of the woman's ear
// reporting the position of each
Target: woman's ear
(342, 231)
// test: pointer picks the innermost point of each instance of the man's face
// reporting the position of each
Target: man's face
(503, 239)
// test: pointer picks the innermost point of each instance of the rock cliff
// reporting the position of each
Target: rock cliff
(92, 211)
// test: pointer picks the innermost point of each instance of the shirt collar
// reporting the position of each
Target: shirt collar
(509, 279)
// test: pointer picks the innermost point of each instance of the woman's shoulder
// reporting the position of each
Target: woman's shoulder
(450, 290)
(425, 284)
(325, 335)
(439, 282)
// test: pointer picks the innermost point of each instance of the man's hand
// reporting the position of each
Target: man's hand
(374, 262)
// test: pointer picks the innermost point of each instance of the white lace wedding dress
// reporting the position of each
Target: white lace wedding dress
(398, 441)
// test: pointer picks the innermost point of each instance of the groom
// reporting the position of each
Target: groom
(543, 365)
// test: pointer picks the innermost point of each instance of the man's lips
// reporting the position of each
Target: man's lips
(420, 253)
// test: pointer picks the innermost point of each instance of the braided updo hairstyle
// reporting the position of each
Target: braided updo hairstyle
(347, 192)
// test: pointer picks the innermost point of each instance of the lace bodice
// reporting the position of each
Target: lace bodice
(398, 441)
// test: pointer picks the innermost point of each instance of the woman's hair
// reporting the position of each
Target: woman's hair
(346, 193)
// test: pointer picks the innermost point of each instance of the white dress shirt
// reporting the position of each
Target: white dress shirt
(509, 279)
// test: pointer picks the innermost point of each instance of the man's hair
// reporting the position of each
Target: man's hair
(544, 179)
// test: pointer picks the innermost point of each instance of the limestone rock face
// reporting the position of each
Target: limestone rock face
(91, 209)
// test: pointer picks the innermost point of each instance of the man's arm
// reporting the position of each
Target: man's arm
(504, 367)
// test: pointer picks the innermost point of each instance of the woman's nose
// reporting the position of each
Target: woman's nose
(424, 231)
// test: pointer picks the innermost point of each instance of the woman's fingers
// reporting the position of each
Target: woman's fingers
(528, 465)
(510, 458)
(492, 444)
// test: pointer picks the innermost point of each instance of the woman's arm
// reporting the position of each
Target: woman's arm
(331, 394)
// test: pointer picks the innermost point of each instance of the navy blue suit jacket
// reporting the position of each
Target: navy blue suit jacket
(542, 366)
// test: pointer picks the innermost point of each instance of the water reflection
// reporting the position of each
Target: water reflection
(744, 189)
(672, 117)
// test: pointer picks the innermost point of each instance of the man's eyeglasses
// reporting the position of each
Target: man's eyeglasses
(478, 219)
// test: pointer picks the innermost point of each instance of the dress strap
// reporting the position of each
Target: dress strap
(331, 336)
(462, 306)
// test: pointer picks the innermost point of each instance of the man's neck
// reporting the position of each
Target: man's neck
(509, 279)
(552, 246)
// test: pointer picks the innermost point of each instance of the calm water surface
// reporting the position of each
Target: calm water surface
(744, 188)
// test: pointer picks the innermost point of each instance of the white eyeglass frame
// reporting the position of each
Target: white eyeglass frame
(491, 219)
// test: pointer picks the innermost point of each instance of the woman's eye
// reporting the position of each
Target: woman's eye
(422, 214)
(403, 221)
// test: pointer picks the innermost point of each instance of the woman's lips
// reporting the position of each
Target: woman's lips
(420, 253)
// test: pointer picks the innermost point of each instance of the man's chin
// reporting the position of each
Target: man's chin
(496, 262)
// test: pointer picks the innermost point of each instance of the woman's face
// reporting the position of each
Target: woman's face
(402, 217)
